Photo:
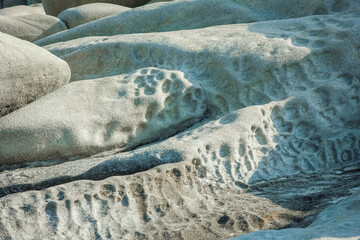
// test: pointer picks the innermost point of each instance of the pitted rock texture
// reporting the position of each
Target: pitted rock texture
(199, 14)
(226, 150)
(119, 112)
(208, 133)
(76, 16)
(167, 202)
(27, 72)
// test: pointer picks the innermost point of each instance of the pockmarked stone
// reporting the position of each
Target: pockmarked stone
(87, 117)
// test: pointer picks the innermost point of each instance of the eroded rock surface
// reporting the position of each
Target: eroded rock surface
(27, 72)
(206, 133)
(162, 203)
(86, 117)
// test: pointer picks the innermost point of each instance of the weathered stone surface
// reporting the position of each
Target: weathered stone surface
(89, 12)
(199, 14)
(273, 137)
(31, 27)
(22, 10)
(27, 72)
(86, 117)
(54, 7)
(168, 202)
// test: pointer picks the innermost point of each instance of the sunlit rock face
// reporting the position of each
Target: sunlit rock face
(192, 119)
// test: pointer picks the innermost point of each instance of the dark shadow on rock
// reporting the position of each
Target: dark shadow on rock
(108, 168)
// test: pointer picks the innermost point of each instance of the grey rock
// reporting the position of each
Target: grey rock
(27, 72)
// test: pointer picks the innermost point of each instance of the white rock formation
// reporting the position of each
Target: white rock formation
(200, 13)
(206, 133)
(27, 72)
(340, 221)
(86, 117)
(89, 12)
(22, 10)
(31, 27)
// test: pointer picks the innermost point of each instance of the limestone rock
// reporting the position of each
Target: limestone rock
(31, 27)
(54, 7)
(88, 117)
(27, 72)
(206, 187)
(199, 14)
(22, 10)
(340, 221)
(206, 133)
(89, 12)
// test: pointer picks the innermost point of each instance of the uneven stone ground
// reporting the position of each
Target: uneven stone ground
(187, 119)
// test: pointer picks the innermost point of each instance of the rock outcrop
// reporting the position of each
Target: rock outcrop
(27, 72)
(192, 119)
(76, 16)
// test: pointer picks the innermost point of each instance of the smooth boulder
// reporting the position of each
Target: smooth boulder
(22, 10)
(27, 72)
(54, 7)
(31, 27)
(87, 117)
(76, 16)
